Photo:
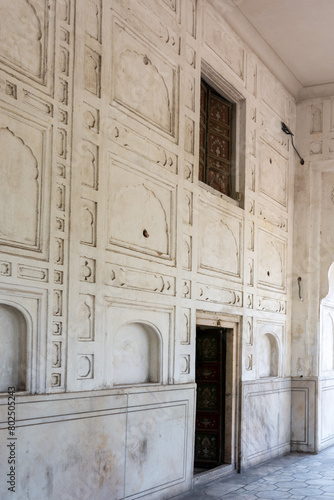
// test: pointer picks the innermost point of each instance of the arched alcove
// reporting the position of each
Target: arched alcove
(268, 356)
(137, 354)
(13, 348)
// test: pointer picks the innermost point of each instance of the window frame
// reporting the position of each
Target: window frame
(238, 138)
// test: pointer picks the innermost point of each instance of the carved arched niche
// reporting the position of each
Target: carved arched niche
(13, 348)
(269, 356)
(137, 354)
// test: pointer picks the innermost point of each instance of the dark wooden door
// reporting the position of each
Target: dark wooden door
(210, 405)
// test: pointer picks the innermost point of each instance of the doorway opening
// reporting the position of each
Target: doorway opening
(210, 401)
(217, 405)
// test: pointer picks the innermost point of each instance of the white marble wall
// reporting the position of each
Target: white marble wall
(106, 445)
(266, 420)
(111, 246)
(312, 329)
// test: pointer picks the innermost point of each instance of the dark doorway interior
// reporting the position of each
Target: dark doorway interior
(210, 404)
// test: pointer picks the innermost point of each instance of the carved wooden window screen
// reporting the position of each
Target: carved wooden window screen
(215, 140)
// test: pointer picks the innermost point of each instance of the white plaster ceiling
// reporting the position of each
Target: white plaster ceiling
(295, 38)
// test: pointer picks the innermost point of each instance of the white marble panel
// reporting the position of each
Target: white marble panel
(141, 212)
(26, 38)
(221, 242)
(143, 80)
(273, 174)
(303, 415)
(152, 460)
(326, 414)
(267, 420)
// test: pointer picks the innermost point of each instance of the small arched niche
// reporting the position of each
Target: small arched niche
(136, 357)
(13, 348)
(268, 356)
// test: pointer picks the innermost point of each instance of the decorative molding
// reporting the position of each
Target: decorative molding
(185, 364)
(273, 172)
(133, 198)
(273, 218)
(186, 289)
(150, 75)
(271, 261)
(85, 366)
(87, 270)
(5, 268)
(92, 71)
(32, 273)
(221, 236)
(144, 21)
(219, 295)
(142, 146)
(130, 278)
(86, 318)
(249, 331)
(217, 38)
(271, 305)
(185, 334)
(316, 118)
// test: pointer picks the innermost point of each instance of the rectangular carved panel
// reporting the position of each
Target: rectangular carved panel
(220, 245)
(223, 44)
(271, 261)
(143, 81)
(141, 146)
(219, 295)
(125, 277)
(273, 174)
(146, 22)
(88, 222)
(26, 37)
(86, 318)
(133, 199)
(24, 187)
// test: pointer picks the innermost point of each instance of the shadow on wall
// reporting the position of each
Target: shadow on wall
(13, 351)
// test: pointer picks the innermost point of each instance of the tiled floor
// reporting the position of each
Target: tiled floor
(294, 476)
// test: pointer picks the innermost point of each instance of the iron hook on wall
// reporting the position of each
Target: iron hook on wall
(287, 131)
(299, 288)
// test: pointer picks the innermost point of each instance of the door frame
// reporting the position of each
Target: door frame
(232, 391)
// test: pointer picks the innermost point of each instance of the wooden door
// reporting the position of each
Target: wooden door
(210, 405)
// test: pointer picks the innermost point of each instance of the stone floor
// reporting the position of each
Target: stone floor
(294, 476)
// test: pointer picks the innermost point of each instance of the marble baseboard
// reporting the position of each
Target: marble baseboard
(303, 416)
(326, 411)
(109, 445)
(266, 420)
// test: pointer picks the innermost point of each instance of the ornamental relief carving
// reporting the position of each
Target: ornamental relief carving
(144, 21)
(185, 334)
(123, 277)
(140, 145)
(272, 218)
(86, 318)
(271, 305)
(219, 295)
(93, 19)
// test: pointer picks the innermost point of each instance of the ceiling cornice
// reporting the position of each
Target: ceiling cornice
(252, 38)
